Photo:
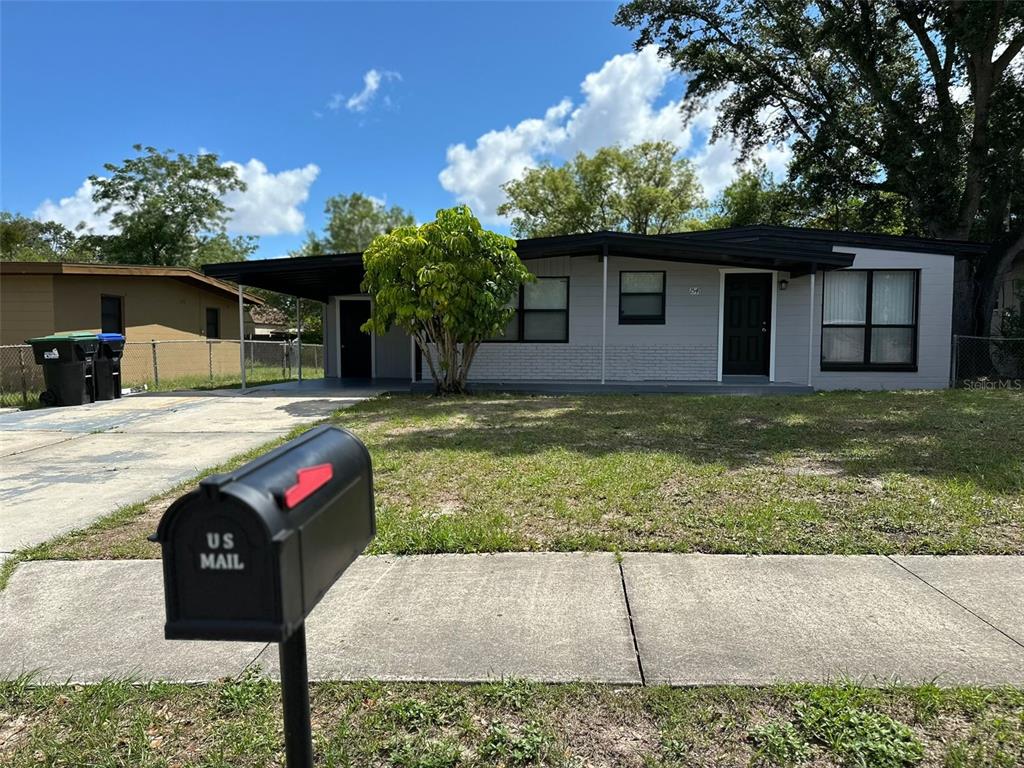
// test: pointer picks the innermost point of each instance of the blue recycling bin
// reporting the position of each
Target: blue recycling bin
(107, 366)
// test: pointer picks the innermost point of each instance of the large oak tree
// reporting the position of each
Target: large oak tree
(920, 99)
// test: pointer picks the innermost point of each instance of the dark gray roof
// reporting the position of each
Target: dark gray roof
(791, 249)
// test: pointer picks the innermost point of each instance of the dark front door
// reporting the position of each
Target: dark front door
(747, 319)
(355, 344)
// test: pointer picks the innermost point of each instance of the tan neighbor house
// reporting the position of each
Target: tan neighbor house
(142, 302)
(146, 304)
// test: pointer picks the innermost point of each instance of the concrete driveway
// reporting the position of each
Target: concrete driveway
(63, 468)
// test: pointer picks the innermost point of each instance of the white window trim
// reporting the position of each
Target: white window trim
(722, 272)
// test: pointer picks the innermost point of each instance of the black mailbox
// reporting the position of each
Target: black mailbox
(249, 553)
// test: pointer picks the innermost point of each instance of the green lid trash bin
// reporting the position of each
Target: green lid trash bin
(68, 363)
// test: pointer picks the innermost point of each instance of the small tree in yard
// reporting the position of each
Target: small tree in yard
(449, 284)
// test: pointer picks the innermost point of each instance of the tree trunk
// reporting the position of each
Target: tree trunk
(991, 269)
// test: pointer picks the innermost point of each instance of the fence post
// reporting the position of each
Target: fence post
(156, 368)
(956, 356)
(209, 355)
(24, 383)
(284, 361)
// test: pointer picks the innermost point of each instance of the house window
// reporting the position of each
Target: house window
(541, 312)
(869, 320)
(212, 323)
(111, 314)
(641, 298)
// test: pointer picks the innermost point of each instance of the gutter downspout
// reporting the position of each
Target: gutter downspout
(241, 335)
(604, 308)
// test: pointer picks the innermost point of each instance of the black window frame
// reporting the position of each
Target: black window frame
(206, 326)
(868, 326)
(104, 297)
(644, 319)
(521, 311)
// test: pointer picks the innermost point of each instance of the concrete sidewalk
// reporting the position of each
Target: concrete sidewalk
(63, 468)
(654, 618)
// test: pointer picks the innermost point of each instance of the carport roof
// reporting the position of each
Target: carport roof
(790, 249)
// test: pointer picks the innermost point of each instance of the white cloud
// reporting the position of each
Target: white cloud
(359, 102)
(77, 210)
(620, 105)
(270, 205)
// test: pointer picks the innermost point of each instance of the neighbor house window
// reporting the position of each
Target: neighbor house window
(541, 312)
(111, 314)
(641, 298)
(212, 323)
(869, 320)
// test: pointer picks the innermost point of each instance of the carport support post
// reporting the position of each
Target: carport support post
(241, 335)
(298, 333)
(298, 735)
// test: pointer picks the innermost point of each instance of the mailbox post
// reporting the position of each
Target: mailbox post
(248, 554)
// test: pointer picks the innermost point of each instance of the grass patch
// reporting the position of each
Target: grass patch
(239, 723)
(843, 473)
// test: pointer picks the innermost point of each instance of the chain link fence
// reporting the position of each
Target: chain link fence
(173, 365)
(988, 362)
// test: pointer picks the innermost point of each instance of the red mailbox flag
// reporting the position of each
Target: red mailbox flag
(307, 480)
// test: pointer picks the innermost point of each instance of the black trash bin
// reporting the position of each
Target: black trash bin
(108, 366)
(68, 367)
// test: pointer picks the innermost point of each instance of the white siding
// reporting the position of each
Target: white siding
(684, 348)
(792, 323)
(934, 330)
(392, 351)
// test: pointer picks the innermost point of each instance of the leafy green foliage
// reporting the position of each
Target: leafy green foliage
(755, 197)
(644, 189)
(839, 719)
(167, 209)
(527, 745)
(778, 744)
(448, 284)
(353, 221)
(24, 239)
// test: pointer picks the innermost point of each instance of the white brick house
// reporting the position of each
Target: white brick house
(750, 306)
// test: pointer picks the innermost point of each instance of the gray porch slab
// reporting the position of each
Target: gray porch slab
(992, 587)
(86, 621)
(721, 619)
(553, 617)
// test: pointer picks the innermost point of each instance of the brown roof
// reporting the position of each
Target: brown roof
(183, 274)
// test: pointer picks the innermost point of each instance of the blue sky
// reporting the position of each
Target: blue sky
(422, 104)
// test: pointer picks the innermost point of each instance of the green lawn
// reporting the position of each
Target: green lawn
(939, 472)
(513, 723)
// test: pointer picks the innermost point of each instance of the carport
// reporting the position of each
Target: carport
(329, 279)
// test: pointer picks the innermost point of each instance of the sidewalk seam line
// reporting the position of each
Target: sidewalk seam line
(953, 600)
(632, 628)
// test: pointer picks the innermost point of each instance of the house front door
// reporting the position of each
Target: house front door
(355, 344)
(747, 320)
